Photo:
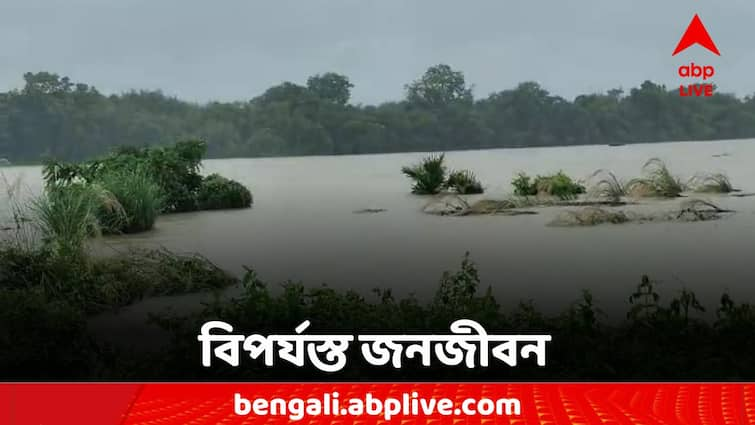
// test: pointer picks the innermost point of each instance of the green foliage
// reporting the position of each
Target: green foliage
(429, 175)
(439, 87)
(658, 181)
(559, 185)
(523, 186)
(68, 214)
(139, 196)
(217, 192)
(464, 182)
(331, 87)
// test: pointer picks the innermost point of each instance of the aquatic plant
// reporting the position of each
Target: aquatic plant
(429, 175)
(464, 182)
(559, 185)
(711, 183)
(607, 186)
(217, 192)
(590, 216)
(139, 196)
(657, 181)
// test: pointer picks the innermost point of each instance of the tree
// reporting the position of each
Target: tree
(439, 87)
(331, 87)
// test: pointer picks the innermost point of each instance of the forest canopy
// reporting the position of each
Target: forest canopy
(53, 117)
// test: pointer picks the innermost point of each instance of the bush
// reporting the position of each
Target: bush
(712, 183)
(429, 175)
(138, 194)
(464, 182)
(217, 192)
(559, 185)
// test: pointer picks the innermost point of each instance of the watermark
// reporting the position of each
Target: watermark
(696, 33)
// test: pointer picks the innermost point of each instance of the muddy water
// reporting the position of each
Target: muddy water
(303, 227)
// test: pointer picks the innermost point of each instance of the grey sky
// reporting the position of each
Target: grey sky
(235, 49)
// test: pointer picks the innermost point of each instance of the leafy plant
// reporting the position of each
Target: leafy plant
(559, 185)
(429, 175)
(217, 192)
(464, 182)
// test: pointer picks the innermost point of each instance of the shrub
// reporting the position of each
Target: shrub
(138, 194)
(558, 184)
(429, 175)
(658, 181)
(217, 192)
(523, 186)
(464, 182)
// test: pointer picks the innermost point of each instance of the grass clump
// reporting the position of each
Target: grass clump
(657, 182)
(559, 185)
(429, 175)
(464, 182)
(608, 186)
(68, 214)
(217, 192)
(712, 183)
(140, 197)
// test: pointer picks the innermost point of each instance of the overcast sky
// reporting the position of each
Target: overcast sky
(235, 49)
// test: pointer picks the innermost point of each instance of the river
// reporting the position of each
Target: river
(303, 227)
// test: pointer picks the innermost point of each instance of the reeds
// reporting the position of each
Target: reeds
(656, 182)
(607, 186)
(140, 197)
(66, 215)
(711, 183)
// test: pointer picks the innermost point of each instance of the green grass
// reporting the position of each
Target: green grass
(712, 183)
(464, 183)
(138, 194)
(429, 175)
(67, 215)
(607, 186)
(656, 182)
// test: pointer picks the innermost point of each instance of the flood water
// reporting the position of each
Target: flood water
(303, 227)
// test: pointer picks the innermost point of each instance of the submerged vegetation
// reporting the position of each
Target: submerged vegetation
(608, 186)
(712, 183)
(657, 182)
(464, 183)
(689, 211)
(429, 177)
(559, 185)
(146, 182)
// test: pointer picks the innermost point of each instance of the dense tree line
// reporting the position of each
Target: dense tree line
(51, 116)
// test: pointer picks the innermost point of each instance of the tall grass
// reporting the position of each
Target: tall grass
(66, 215)
(657, 181)
(712, 183)
(138, 194)
(607, 186)
(429, 175)
(464, 182)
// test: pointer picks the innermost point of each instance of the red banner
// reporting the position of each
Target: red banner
(365, 403)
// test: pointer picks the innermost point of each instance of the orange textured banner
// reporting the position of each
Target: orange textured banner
(377, 403)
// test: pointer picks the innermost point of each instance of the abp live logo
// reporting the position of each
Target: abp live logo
(696, 34)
